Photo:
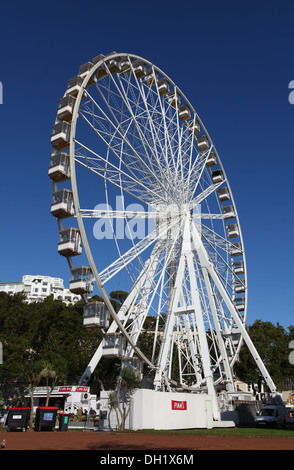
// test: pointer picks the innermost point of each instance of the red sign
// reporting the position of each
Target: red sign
(179, 405)
(82, 389)
(64, 389)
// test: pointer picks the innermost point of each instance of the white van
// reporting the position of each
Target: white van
(271, 415)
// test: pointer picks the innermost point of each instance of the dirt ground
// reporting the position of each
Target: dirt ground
(108, 441)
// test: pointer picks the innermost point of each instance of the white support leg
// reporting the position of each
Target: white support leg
(207, 265)
(220, 341)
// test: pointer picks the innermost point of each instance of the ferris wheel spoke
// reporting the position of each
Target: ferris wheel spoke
(229, 277)
(113, 174)
(148, 295)
(168, 134)
(131, 304)
(149, 291)
(148, 155)
(124, 259)
(195, 174)
(147, 287)
(117, 214)
(155, 165)
(166, 138)
(116, 147)
(208, 265)
(193, 163)
(121, 133)
(141, 119)
(204, 194)
(155, 133)
(216, 238)
(220, 301)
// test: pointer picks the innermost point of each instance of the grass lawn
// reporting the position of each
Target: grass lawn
(237, 431)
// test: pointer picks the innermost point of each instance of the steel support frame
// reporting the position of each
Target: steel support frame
(208, 266)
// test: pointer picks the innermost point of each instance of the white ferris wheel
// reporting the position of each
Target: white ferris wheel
(132, 160)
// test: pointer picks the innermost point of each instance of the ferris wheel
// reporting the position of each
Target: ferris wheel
(154, 211)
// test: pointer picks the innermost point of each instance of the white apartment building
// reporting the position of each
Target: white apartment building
(38, 287)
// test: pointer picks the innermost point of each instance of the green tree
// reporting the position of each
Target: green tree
(128, 382)
(271, 343)
(31, 374)
(15, 335)
(51, 373)
(117, 298)
(46, 332)
(113, 405)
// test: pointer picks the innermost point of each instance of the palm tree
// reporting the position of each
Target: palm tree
(50, 376)
(128, 382)
(51, 373)
(113, 405)
(31, 374)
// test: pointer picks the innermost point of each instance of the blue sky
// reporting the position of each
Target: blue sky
(234, 62)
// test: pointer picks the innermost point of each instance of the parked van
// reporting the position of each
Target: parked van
(271, 415)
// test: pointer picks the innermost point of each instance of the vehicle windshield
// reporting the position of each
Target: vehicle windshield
(267, 412)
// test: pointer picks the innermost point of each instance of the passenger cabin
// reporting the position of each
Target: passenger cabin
(217, 176)
(223, 194)
(151, 76)
(97, 59)
(113, 66)
(211, 159)
(124, 65)
(60, 135)
(139, 68)
(234, 335)
(163, 86)
(240, 303)
(229, 212)
(233, 230)
(173, 98)
(96, 315)
(81, 280)
(69, 242)
(238, 267)
(112, 345)
(84, 69)
(236, 249)
(239, 287)
(133, 363)
(184, 112)
(194, 126)
(62, 205)
(66, 106)
(59, 169)
(203, 143)
(101, 72)
(74, 85)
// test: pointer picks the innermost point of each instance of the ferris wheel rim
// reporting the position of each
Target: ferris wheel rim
(82, 228)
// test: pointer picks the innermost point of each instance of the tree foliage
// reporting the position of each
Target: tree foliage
(50, 335)
(271, 342)
(121, 399)
(47, 332)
